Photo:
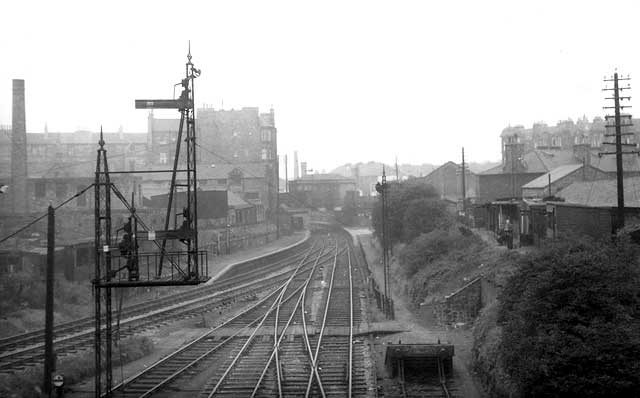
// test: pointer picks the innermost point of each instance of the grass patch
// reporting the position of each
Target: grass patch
(75, 368)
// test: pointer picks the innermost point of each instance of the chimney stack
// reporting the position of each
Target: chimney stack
(296, 174)
(19, 200)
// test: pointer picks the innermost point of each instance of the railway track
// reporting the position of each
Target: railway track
(297, 341)
(243, 282)
(429, 379)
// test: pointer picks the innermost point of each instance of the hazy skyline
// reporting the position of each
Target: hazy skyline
(349, 81)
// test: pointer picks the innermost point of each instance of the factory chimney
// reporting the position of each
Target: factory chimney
(296, 169)
(18, 187)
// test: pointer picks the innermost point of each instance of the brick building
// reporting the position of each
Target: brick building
(237, 150)
(559, 178)
(447, 180)
(321, 190)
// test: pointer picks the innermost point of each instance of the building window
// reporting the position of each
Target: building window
(163, 157)
(265, 154)
(265, 135)
(252, 195)
(41, 189)
(222, 181)
(238, 217)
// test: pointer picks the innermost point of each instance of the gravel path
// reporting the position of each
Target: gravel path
(421, 328)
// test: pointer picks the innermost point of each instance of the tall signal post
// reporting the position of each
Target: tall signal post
(387, 302)
(620, 120)
(120, 264)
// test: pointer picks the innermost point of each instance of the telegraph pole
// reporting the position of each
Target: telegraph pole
(464, 186)
(48, 328)
(618, 124)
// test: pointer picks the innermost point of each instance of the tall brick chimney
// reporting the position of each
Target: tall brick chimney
(18, 187)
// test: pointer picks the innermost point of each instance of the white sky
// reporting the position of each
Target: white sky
(349, 80)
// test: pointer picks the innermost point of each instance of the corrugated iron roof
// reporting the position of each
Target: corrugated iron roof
(556, 174)
(602, 193)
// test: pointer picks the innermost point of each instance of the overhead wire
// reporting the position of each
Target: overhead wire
(593, 182)
(237, 164)
(80, 163)
(45, 214)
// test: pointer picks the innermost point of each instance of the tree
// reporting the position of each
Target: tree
(399, 195)
(423, 216)
(571, 321)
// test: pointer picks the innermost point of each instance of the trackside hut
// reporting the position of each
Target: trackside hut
(590, 207)
(559, 178)
(585, 208)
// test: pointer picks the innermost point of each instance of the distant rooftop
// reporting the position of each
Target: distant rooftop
(602, 193)
(556, 174)
(324, 177)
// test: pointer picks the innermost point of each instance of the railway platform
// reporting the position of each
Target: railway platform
(220, 265)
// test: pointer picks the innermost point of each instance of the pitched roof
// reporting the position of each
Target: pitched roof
(446, 164)
(556, 174)
(326, 177)
(86, 137)
(602, 193)
(236, 201)
(218, 171)
(540, 161)
(607, 163)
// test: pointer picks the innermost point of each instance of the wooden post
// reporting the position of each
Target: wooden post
(49, 365)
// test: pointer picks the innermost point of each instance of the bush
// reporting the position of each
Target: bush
(75, 368)
(432, 246)
(400, 197)
(23, 289)
(423, 216)
(570, 318)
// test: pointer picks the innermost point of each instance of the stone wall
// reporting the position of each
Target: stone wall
(463, 305)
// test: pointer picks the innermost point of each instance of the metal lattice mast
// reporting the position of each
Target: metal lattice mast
(109, 253)
(192, 183)
(102, 242)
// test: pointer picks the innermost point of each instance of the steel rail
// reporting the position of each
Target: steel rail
(205, 335)
(307, 344)
(136, 313)
(349, 367)
(324, 320)
(32, 338)
(180, 371)
(443, 378)
(253, 334)
(278, 339)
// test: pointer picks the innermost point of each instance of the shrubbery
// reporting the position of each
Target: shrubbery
(26, 290)
(412, 209)
(570, 320)
(432, 246)
(75, 368)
